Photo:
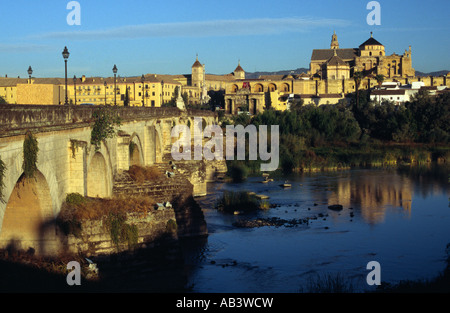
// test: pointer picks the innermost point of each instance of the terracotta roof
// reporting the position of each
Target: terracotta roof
(335, 60)
(239, 69)
(9, 82)
(326, 54)
(382, 92)
(371, 42)
(197, 63)
(51, 81)
(278, 77)
(227, 77)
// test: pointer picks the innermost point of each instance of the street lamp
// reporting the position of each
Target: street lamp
(65, 55)
(142, 81)
(30, 71)
(115, 72)
(105, 92)
(75, 87)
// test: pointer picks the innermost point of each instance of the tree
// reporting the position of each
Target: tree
(296, 104)
(2, 100)
(380, 79)
(126, 101)
(357, 76)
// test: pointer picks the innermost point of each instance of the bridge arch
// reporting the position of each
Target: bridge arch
(99, 178)
(156, 143)
(28, 209)
(136, 156)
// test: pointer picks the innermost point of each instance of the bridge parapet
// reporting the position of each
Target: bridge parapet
(16, 119)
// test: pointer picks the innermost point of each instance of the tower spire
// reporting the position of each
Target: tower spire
(334, 41)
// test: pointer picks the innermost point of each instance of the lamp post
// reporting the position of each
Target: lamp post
(105, 92)
(142, 81)
(75, 88)
(30, 71)
(65, 55)
(115, 72)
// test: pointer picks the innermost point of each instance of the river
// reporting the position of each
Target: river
(397, 217)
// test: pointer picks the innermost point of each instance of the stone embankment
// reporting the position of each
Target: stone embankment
(176, 213)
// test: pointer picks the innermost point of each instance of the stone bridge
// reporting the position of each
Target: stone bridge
(68, 163)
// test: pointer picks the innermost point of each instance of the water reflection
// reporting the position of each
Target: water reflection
(374, 194)
(280, 259)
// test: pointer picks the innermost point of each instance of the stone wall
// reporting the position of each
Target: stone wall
(95, 237)
(177, 190)
(15, 119)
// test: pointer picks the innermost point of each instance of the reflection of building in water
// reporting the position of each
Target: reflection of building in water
(373, 194)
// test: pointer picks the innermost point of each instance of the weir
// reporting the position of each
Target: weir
(67, 163)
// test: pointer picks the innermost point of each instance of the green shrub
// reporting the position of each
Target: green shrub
(105, 122)
(171, 226)
(30, 154)
(120, 231)
(75, 199)
(238, 201)
(238, 172)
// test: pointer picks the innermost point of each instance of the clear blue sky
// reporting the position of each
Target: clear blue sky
(163, 37)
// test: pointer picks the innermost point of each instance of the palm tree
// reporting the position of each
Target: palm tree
(357, 76)
(380, 79)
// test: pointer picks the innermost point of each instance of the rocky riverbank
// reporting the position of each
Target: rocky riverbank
(277, 222)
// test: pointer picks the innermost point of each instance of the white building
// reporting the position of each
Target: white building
(397, 93)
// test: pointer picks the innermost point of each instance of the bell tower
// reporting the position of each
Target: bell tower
(334, 42)
(198, 73)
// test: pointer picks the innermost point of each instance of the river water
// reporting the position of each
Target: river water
(397, 217)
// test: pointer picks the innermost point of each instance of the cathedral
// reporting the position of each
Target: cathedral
(369, 58)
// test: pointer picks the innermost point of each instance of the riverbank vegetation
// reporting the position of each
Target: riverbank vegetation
(141, 174)
(240, 201)
(340, 136)
(78, 208)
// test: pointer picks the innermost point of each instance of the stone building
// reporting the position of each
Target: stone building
(370, 58)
